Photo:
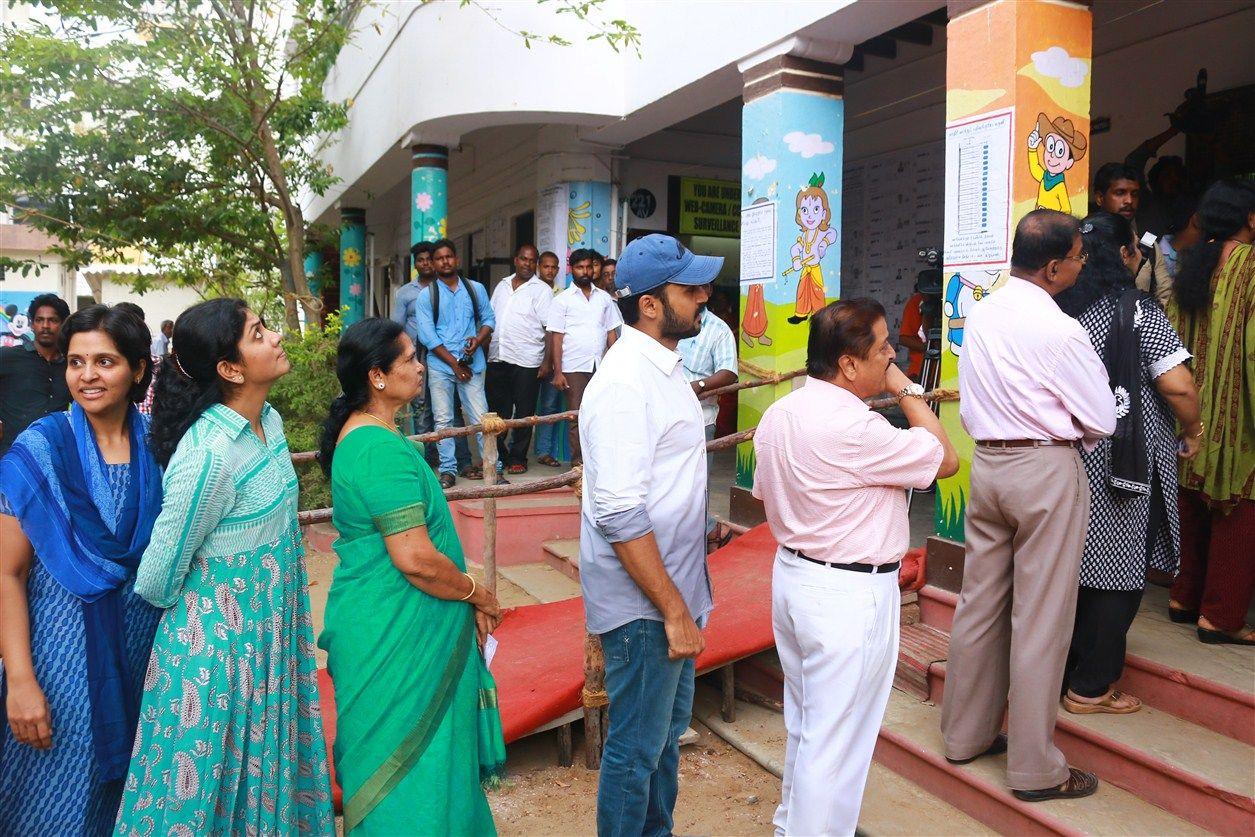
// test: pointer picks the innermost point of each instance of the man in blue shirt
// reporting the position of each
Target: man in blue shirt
(455, 322)
(403, 313)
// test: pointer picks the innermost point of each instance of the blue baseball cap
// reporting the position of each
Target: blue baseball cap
(657, 259)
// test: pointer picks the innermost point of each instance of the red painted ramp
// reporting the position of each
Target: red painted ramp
(539, 667)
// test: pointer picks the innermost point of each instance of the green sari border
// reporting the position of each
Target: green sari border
(389, 774)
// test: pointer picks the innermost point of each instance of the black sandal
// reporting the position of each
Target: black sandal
(1210, 637)
(1079, 784)
(999, 746)
(1182, 617)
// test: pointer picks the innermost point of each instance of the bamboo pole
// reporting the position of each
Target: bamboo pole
(595, 700)
(488, 463)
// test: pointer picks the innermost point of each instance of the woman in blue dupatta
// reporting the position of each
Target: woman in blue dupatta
(79, 492)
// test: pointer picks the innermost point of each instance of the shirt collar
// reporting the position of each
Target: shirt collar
(231, 421)
(841, 394)
(657, 354)
(1029, 288)
(29, 345)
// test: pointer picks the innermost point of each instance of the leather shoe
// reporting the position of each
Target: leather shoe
(1079, 784)
(999, 746)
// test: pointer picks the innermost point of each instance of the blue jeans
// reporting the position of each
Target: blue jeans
(443, 387)
(422, 421)
(651, 702)
(547, 434)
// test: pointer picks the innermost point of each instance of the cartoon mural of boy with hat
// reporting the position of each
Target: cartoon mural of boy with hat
(1062, 146)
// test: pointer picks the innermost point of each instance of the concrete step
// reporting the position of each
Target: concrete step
(1196, 773)
(541, 582)
(891, 804)
(523, 524)
(910, 744)
(1212, 686)
(320, 536)
(563, 554)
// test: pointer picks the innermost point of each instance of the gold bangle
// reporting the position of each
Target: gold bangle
(473, 587)
(1202, 428)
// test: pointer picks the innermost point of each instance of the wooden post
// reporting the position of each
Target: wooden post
(566, 752)
(595, 700)
(489, 466)
(727, 683)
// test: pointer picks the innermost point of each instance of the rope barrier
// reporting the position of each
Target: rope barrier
(505, 425)
(575, 476)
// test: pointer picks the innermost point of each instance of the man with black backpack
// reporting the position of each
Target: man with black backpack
(455, 321)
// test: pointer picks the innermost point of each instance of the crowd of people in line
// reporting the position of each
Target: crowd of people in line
(159, 672)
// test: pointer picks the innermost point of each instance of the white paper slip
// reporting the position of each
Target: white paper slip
(490, 650)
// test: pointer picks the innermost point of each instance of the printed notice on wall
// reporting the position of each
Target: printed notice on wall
(758, 243)
(978, 191)
(551, 221)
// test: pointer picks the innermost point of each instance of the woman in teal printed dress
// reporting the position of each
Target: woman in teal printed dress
(80, 493)
(230, 738)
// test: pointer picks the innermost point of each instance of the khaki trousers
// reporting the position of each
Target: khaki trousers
(1026, 523)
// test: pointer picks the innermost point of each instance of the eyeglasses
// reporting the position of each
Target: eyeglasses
(1080, 258)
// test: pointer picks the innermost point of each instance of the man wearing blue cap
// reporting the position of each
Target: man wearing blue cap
(643, 530)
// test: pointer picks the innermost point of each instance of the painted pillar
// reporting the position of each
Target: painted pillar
(353, 264)
(313, 266)
(588, 218)
(792, 125)
(1017, 137)
(429, 193)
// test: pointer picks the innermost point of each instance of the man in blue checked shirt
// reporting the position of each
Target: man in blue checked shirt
(709, 363)
(454, 325)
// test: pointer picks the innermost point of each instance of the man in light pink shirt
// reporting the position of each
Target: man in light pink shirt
(831, 474)
(1032, 390)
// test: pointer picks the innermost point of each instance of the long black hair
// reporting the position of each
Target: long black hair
(127, 332)
(1223, 213)
(188, 382)
(368, 344)
(1104, 273)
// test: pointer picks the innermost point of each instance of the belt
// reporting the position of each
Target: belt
(1028, 443)
(856, 568)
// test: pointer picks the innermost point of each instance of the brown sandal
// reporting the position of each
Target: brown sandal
(549, 461)
(1078, 784)
(1114, 702)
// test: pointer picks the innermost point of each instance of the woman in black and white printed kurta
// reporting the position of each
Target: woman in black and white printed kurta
(1126, 535)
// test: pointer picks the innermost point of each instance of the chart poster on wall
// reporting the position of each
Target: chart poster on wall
(710, 207)
(758, 243)
(978, 191)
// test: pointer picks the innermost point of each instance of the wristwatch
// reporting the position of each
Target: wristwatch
(701, 383)
(911, 390)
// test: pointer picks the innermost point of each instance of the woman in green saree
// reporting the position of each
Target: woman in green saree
(1214, 312)
(418, 732)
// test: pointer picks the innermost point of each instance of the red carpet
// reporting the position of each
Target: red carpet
(539, 667)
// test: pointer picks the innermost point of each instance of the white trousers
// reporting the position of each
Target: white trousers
(837, 637)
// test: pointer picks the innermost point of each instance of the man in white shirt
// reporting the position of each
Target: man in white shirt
(1033, 390)
(642, 548)
(581, 325)
(518, 358)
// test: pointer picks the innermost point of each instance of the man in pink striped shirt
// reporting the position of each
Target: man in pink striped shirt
(1033, 389)
(831, 474)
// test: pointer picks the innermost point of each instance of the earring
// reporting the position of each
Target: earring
(378, 386)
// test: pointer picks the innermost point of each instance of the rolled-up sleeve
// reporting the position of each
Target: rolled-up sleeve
(898, 458)
(486, 314)
(422, 314)
(1079, 380)
(617, 448)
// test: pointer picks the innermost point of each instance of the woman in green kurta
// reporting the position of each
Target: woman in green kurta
(1214, 310)
(230, 739)
(418, 732)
